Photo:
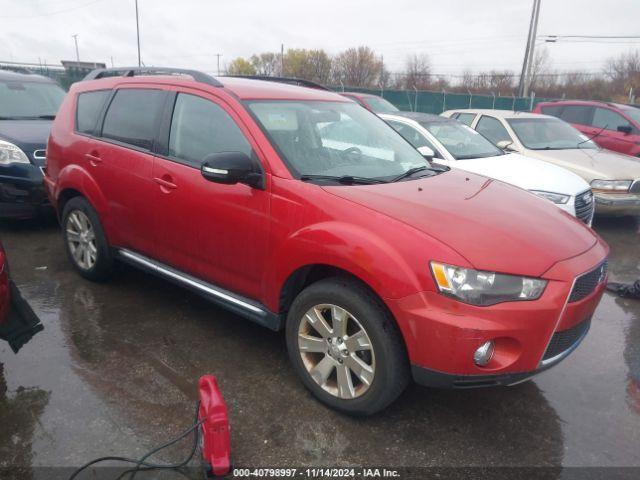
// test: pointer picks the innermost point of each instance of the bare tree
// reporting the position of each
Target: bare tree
(357, 67)
(539, 68)
(417, 72)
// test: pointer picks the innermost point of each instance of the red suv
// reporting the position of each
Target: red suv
(613, 126)
(304, 212)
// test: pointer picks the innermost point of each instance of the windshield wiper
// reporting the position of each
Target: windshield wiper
(410, 172)
(30, 117)
(344, 179)
(594, 136)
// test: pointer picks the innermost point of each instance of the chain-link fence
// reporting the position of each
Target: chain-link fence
(438, 102)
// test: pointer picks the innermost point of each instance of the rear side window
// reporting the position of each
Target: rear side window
(553, 110)
(89, 106)
(466, 118)
(199, 128)
(492, 129)
(576, 114)
(132, 116)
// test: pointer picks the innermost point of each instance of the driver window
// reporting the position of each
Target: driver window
(492, 129)
(413, 136)
(608, 119)
(199, 127)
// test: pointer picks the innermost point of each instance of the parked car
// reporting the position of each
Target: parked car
(373, 103)
(612, 126)
(377, 265)
(614, 178)
(448, 142)
(28, 104)
(18, 322)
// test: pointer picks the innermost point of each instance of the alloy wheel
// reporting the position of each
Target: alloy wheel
(336, 351)
(81, 240)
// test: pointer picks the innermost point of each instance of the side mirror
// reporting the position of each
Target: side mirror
(506, 145)
(626, 129)
(230, 168)
(427, 153)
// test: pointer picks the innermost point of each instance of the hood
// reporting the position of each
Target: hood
(31, 132)
(526, 173)
(495, 226)
(592, 164)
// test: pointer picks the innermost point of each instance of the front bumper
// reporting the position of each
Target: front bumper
(617, 204)
(442, 334)
(22, 193)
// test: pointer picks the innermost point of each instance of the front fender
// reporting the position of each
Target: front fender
(349, 247)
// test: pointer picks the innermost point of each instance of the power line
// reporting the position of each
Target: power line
(58, 12)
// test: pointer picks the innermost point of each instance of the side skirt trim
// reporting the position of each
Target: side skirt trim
(238, 304)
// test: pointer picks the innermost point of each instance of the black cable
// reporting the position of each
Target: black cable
(141, 464)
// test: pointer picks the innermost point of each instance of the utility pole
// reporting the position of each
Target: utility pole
(138, 33)
(282, 59)
(523, 87)
(218, 55)
(75, 38)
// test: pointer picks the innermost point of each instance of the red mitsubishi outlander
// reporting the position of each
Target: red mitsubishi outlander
(304, 212)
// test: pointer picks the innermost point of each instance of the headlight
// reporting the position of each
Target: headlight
(9, 153)
(485, 288)
(554, 197)
(612, 185)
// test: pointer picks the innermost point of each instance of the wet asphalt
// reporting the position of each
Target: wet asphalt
(115, 372)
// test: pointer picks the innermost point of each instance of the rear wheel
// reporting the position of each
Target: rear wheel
(345, 346)
(85, 241)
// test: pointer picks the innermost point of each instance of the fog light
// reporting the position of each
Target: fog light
(483, 354)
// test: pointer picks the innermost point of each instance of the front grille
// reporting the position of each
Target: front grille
(584, 206)
(635, 187)
(40, 154)
(586, 283)
(564, 340)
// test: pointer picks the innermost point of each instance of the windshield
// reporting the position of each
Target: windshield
(633, 114)
(462, 141)
(380, 105)
(548, 134)
(29, 99)
(335, 139)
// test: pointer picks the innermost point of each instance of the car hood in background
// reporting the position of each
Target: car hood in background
(32, 132)
(592, 164)
(495, 226)
(527, 173)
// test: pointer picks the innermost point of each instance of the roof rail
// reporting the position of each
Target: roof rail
(136, 71)
(290, 80)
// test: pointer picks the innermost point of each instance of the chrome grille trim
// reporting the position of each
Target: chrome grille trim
(40, 154)
(585, 205)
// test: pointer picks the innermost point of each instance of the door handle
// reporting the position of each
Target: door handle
(167, 184)
(93, 157)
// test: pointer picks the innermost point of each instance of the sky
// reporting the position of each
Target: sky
(457, 35)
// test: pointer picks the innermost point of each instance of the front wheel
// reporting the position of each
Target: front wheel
(346, 347)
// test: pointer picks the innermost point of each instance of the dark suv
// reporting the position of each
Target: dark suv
(28, 104)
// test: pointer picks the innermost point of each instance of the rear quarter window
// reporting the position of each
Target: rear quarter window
(553, 110)
(88, 108)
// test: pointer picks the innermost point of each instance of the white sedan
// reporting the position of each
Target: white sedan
(456, 145)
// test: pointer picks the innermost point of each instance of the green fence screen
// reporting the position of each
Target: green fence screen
(437, 102)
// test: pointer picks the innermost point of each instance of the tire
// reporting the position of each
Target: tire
(79, 219)
(338, 368)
